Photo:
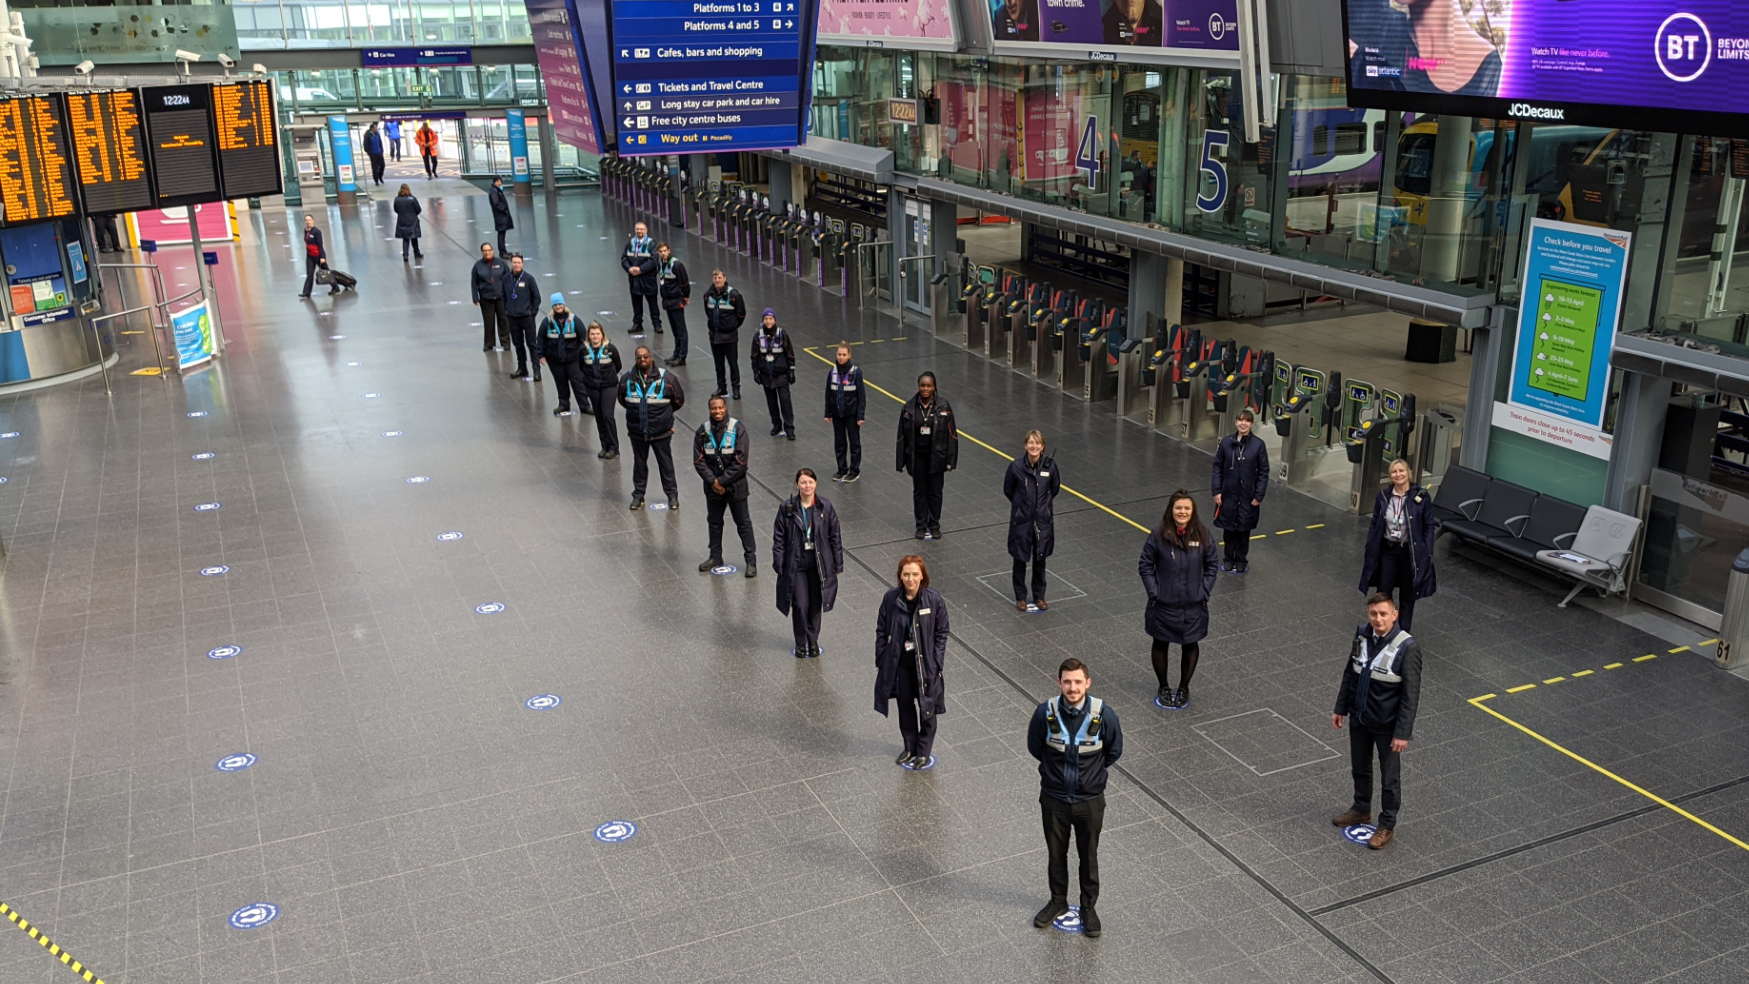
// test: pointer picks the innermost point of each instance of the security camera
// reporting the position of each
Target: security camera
(188, 56)
(227, 60)
(84, 67)
(258, 68)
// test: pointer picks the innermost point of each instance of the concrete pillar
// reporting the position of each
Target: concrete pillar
(944, 231)
(1639, 436)
(549, 152)
(1442, 247)
(1172, 304)
(1663, 195)
(1148, 276)
(1487, 345)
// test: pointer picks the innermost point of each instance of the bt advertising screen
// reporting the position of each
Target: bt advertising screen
(1669, 65)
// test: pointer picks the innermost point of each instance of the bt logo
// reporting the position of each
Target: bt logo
(1684, 47)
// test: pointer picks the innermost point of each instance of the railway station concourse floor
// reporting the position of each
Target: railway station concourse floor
(309, 736)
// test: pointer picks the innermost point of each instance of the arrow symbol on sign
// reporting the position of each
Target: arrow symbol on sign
(789, 23)
(628, 106)
(629, 122)
(627, 88)
(625, 52)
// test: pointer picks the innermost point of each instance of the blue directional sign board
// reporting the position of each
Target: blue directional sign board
(385, 57)
(705, 76)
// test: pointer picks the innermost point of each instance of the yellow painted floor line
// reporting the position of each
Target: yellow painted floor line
(1706, 642)
(1554, 679)
(1514, 690)
(1582, 760)
(1613, 666)
(1314, 526)
(1642, 659)
(1678, 649)
(1084, 498)
(1485, 697)
(1283, 532)
(1261, 536)
(1583, 673)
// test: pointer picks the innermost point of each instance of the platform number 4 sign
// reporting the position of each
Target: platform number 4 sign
(1087, 154)
(1211, 166)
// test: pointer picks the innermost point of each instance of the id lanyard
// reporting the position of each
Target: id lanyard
(595, 356)
(807, 527)
(640, 247)
(563, 329)
(771, 344)
(928, 419)
(667, 272)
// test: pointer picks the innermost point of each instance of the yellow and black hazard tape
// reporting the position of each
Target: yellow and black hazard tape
(49, 945)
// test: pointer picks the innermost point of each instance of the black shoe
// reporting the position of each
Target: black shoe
(813, 650)
(720, 392)
(799, 652)
(658, 329)
(611, 455)
(1166, 695)
(791, 435)
(673, 503)
(853, 476)
(486, 349)
(601, 454)
(1244, 567)
(737, 394)
(1089, 922)
(537, 374)
(677, 361)
(405, 257)
(1226, 567)
(709, 565)
(904, 757)
(935, 532)
(838, 476)
(776, 431)
(561, 411)
(419, 256)
(637, 502)
(588, 410)
(520, 373)
(921, 533)
(671, 362)
(751, 571)
(1050, 912)
(303, 297)
(333, 292)
(1183, 695)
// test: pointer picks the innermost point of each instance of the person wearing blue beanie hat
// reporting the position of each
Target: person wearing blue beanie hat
(557, 299)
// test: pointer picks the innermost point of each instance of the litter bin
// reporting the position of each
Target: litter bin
(1430, 341)
(1734, 626)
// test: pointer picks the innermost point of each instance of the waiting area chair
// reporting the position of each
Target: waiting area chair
(1599, 555)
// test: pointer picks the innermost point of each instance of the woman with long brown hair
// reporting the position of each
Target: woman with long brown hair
(910, 648)
(1178, 568)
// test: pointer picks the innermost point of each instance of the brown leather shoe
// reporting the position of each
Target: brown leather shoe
(1380, 838)
(1020, 606)
(1041, 605)
(1350, 818)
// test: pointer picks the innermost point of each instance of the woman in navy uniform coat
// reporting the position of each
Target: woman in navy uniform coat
(1031, 487)
(807, 551)
(910, 648)
(1178, 569)
(1241, 477)
(1399, 543)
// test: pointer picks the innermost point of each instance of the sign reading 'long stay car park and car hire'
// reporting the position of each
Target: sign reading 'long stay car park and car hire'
(698, 76)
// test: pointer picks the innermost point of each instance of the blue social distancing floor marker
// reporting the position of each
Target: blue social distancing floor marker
(1359, 833)
(925, 767)
(191, 413)
(391, 433)
(206, 507)
(204, 456)
(254, 916)
(418, 479)
(489, 608)
(616, 831)
(724, 570)
(543, 702)
(657, 506)
(215, 570)
(449, 537)
(1069, 922)
(224, 652)
(235, 763)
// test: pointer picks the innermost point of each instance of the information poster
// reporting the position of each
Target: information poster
(194, 336)
(1671, 67)
(922, 25)
(1198, 32)
(1573, 279)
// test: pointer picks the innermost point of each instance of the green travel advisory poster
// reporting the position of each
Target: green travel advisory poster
(1566, 336)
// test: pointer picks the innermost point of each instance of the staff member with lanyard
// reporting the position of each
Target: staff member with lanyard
(929, 447)
(521, 305)
(1399, 543)
(724, 310)
(1178, 569)
(846, 406)
(650, 395)
(1381, 688)
(774, 368)
(910, 647)
(1031, 486)
(1240, 479)
(561, 344)
(674, 286)
(719, 453)
(599, 362)
(1076, 739)
(808, 552)
(639, 262)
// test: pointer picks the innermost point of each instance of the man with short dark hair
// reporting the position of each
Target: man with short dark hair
(487, 287)
(719, 453)
(521, 307)
(1381, 688)
(1076, 739)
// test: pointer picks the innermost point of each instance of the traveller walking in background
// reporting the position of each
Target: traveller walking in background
(1031, 486)
(911, 630)
(601, 369)
(426, 138)
(1399, 543)
(486, 284)
(1076, 739)
(315, 256)
(724, 310)
(639, 262)
(104, 230)
(407, 228)
(1241, 477)
(774, 368)
(373, 148)
(846, 406)
(501, 219)
(392, 133)
(719, 454)
(929, 448)
(807, 554)
(1380, 693)
(1178, 569)
(674, 287)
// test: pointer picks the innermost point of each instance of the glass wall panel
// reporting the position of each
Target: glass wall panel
(1226, 192)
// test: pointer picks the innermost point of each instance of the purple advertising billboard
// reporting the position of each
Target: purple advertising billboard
(1653, 64)
(570, 98)
(1200, 32)
(922, 25)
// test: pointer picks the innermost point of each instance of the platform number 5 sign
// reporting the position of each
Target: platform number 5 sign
(1214, 168)
(1087, 153)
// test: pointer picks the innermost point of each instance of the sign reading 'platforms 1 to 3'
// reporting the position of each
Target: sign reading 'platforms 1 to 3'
(700, 76)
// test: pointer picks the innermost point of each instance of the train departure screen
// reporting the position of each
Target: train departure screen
(179, 131)
(248, 148)
(36, 174)
(109, 150)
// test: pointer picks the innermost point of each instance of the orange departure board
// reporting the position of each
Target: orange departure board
(109, 150)
(248, 148)
(179, 141)
(36, 172)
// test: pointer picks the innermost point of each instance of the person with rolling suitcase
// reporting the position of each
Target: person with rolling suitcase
(315, 257)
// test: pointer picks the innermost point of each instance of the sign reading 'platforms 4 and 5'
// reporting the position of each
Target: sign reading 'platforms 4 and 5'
(697, 76)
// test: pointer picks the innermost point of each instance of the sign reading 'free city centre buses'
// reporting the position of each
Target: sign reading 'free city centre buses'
(704, 76)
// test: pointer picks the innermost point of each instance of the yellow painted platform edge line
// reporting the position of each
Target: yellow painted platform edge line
(1584, 673)
(1582, 760)
(42, 938)
(1260, 536)
(1484, 697)
(1678, 649)
(1090, 501)
(1642, 659)
(1314, 526)
(1516, 690)
(1705, 642)
(1283, 532)
(1554, 679)
(1613, 666)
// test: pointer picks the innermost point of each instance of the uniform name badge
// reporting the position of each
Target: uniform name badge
(808, 545)
(909, 645)
(923, 430)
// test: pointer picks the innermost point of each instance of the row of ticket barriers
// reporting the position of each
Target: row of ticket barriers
(1172, 378)
(1192, 387)
(820, 249)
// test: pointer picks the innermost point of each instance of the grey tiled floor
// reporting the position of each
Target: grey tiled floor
(414, 822)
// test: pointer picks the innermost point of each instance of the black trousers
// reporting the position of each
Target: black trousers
(412, 241)
(522, 337)
(311, 265)
(495, 321)
(677, 321)
(603, 399)
(430, 165)
(783, 412)
(926, 487)
(655, 306)
(714, 505)
(664, 449)
(847, 442)
(1362, 743)
(502, 249)
(1038, 579)
(728, 370)
(376, 167)
(805, 605)
(394, 149)
(568, 378)
(1236, 546)
(107, 237)
(1396, 574)
(1084, 820)
(918, 730)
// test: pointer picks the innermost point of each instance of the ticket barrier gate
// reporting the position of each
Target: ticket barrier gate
(746, 239)
(777, 240)
(828, 258)
(699, 201)
(1021, 302)
(1372, 445)
(1304, 421)
(1132, 363)
(1241, 383)
(997, 301)
(765, 232)
(1435, 451)
(1058, 332)
(1029, 324)
(1199, 420)
(1164, 370)
(980, 285)
(1099, 376)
